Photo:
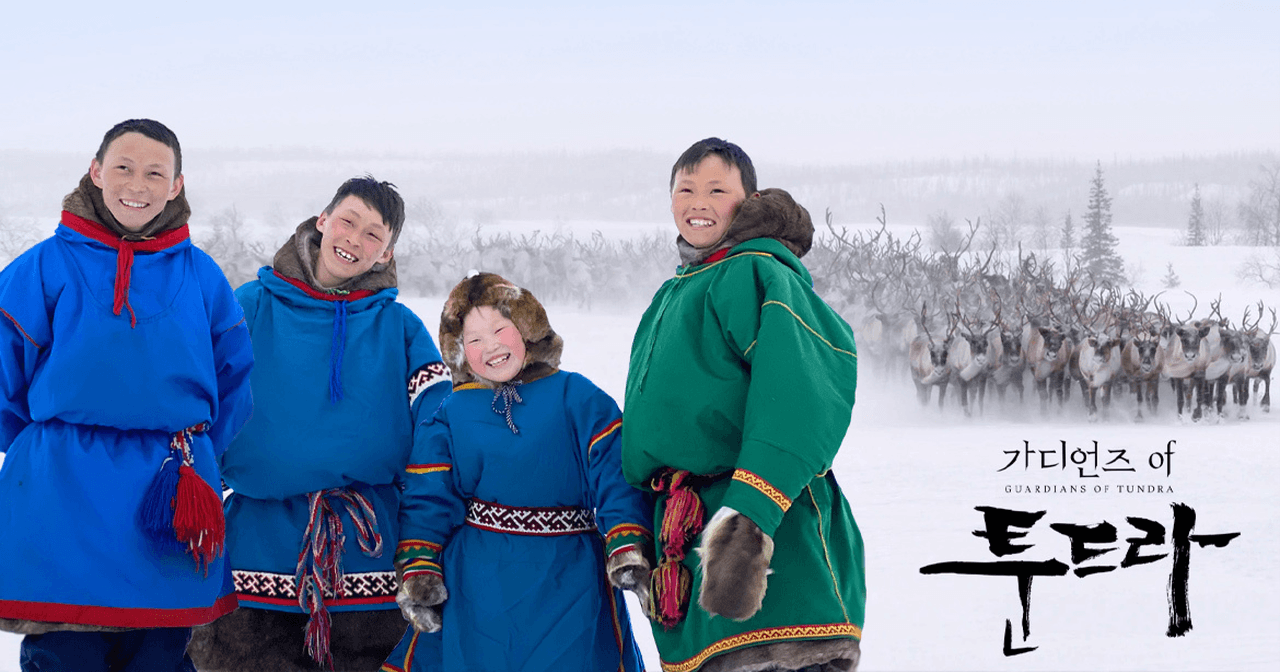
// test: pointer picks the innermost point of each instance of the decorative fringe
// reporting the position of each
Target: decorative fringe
(670, 586)
(180, 510)
(338, 349)
(682, 521)
(320, 560)
(198, 521)
(156, 511)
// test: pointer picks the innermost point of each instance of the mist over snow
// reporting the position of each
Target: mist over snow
(913, 477)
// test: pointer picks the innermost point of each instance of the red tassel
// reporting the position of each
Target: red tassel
(669, 588)
(683, 518)
(197, 517)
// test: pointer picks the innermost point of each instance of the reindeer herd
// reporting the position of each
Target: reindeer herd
(963, 323)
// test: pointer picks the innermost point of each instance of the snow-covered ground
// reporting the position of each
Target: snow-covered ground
(913, 478)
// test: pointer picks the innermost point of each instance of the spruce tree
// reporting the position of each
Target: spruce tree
(1098, 256)
(1195, 224)
(1068, 233)
(1170, 279)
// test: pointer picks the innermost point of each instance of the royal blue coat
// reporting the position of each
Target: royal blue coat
(303, 438)
(88, 404)
(519, 599)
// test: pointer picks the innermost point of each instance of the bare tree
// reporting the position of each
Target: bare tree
(1006, 222)
(1042, 230)
(1217, 221)
(943, 234)
(1260, 211)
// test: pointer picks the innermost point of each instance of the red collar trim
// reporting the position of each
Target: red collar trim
(93, 230)
(314, 293)
(717, 256)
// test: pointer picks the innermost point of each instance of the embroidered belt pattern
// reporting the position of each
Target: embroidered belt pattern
(535, 521)
(285, 586)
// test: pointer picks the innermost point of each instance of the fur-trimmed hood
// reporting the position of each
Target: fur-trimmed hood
(86, 201)
(297, 259)
(773, 214)
(542, 344)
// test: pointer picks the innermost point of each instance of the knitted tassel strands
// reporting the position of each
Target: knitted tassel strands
(319, 570)
(682, 521)
(181, 510)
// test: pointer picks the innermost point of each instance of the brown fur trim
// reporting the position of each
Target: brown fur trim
(297, 259)
(86, 201)
(542, 344)
(21, 627)
(251, 640)
(735, 566)
(425, 588)
(774, 214)
(419, 598)
(630, 570)
(834, 655)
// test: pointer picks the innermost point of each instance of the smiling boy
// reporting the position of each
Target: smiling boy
(344, 374)
(739, 393)
(124, 366)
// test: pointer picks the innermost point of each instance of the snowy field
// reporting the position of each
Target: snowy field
(914, 477)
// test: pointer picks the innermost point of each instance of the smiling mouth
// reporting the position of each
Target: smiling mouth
(699, 223)
(499, 360)
(344, 255)
(137, 205)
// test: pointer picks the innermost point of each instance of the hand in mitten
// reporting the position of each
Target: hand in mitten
(735, 556)
(420, 597)
(629, 570)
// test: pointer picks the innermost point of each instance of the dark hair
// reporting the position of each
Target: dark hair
(729, 152)
(381, 196)
(148, 127)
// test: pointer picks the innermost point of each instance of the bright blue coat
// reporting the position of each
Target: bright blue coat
(88, 404)
(301, 440)
(519, 602)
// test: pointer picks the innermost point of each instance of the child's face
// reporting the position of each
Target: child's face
(137, 179)
(493, 345)
(352, 239)
(704, 200)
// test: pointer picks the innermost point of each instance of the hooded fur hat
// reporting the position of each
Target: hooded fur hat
(542, 344)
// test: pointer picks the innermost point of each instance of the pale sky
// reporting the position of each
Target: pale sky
(822, 82)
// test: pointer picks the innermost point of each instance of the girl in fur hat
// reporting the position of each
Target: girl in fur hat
(518, 530)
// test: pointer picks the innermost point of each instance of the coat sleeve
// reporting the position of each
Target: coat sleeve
(431, 507)
(233, 360)
(803, 374)
(623, 513)
(25, 334)
(429, 380)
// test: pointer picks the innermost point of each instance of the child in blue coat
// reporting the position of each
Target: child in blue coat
(518, 529)
(343, 374)
(124, 374)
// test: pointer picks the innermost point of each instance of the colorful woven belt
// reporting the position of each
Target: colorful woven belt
(535, 521)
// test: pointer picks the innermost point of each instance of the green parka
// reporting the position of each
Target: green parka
(738, 368)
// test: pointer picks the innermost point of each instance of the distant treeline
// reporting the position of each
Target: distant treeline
(632, 186)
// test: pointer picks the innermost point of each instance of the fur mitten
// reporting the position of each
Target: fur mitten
(630, 570)
(420, 597)
(735, 556)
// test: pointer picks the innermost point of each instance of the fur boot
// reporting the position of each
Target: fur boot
(420, 597)
(826, 655)
(251, 640)
(735, 556)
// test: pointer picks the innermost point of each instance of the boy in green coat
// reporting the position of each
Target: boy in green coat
(739, 393)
